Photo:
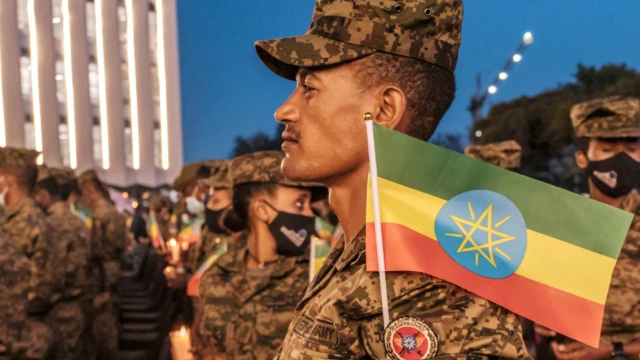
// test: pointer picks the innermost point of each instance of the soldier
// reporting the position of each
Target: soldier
(217, 203)
(608, 135)
(108, 241)
(189, 204)
(395, 60)
(505, 154)
(250, 292)
(71, 236)
(25, 224)
(20, 337)
(25, 246)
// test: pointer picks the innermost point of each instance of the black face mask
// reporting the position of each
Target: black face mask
(615, 176)
(213, 220)
(292, 232)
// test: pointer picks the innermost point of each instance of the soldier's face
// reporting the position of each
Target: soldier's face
(602, 149)
(42, 199)
(325, 135)
(220, 199)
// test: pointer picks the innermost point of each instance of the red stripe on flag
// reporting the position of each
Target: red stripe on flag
(407, 250)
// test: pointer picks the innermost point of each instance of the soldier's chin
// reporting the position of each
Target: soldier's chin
(296, 169)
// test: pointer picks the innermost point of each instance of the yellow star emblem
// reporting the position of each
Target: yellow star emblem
(470, 244)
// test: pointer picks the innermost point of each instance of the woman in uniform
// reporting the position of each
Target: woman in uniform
(249, 294)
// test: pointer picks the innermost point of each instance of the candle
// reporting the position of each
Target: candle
(174, 249)
(181, 344)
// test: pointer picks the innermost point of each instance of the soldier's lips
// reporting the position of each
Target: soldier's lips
(288, 145)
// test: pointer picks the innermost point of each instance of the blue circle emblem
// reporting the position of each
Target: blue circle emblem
(484, 232)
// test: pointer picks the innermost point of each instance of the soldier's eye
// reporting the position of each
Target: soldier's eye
(307, 88)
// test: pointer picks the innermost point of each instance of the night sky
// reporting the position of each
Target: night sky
(226, 91)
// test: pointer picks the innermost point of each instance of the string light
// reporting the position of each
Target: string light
(492, 89)
(503, 76)
(517, 58)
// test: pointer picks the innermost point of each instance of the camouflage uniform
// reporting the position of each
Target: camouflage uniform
(66, 318)
(246, 317)
(209, 241)
(340, 317)
(247, 311)
(108, 239)
(26, 282)
(618, 117)
(20, 337)
(506, 154)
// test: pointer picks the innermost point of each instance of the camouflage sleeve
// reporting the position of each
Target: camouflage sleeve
(116, 235)
(211, 319)
(462, 322)
(40, 280)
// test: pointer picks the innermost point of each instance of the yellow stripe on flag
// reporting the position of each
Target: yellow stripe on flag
(547, 260)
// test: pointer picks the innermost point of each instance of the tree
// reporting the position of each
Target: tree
(448, 141)
(258, 142)
(541, 124)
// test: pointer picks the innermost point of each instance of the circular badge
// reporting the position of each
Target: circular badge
(484, 232)
(408, 338)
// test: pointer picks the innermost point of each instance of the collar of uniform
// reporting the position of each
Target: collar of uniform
(632, 203)
(57, 208)
(353, 252)
(25, 203)
(283, 266)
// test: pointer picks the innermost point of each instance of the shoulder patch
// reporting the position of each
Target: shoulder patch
(408, 338)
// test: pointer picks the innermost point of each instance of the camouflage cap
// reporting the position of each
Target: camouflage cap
(63, 175)
(17, 158)
(504, 154)
(88, 175)
(341, 31)
(220, 175)
(189, 173)
(43, 172)
(612, 117)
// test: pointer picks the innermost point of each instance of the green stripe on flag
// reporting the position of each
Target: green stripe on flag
(546, 209)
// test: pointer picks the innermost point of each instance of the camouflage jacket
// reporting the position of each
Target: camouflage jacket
(72, 244)
(19, 337)
(246, 317)
(341, 314)
(209, 244)
(27, 228)
(622, 310)
(109, 232)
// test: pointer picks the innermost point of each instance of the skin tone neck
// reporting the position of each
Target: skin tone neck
(348, 199)
(260, 252)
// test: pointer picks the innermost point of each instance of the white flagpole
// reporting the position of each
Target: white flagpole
(312, 255)
(373, 167)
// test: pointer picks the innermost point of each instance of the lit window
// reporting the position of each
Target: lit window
(25, 81)
(60, 84)
(96, 135)
(94, 85)
(29, 134)
(153, 36)
(90, 9)
(63, 137)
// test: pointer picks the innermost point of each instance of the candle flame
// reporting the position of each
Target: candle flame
(172, 242)
(183, 331)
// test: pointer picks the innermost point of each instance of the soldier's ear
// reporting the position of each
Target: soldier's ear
(581, 159)
(258, 209)
(391, 107)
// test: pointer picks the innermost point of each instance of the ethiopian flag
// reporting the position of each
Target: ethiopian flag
(537, 250)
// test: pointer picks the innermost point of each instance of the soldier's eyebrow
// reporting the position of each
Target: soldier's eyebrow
(304, 73)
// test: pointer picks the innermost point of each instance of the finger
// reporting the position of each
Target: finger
(543, 331)
(574, 346)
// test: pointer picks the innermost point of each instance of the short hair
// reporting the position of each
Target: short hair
(26, 176)
(237, 219)
(50, 185)
(429, 88)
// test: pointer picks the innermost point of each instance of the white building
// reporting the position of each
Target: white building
(93, 84)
